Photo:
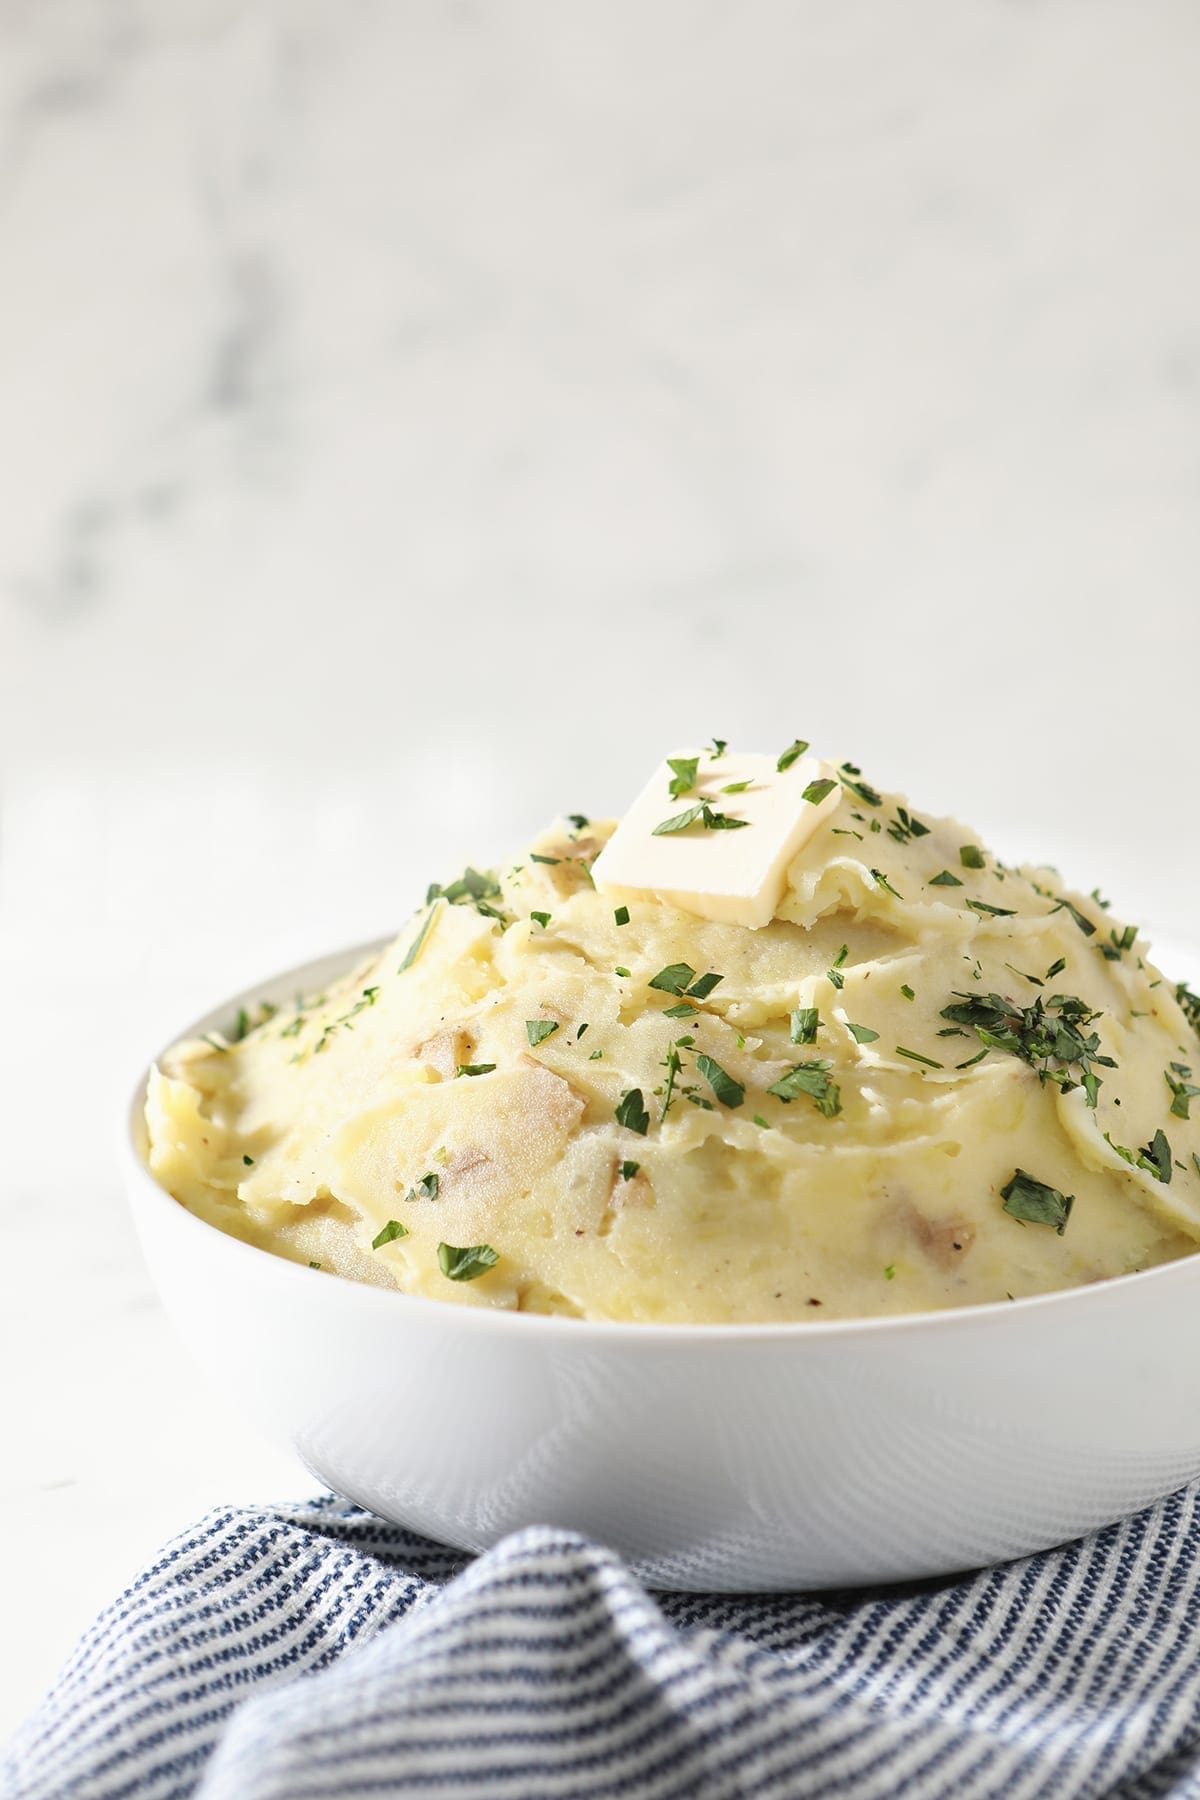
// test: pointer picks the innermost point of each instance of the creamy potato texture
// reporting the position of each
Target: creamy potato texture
(929, 1081)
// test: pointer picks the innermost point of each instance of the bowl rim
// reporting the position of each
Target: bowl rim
(985, 1315)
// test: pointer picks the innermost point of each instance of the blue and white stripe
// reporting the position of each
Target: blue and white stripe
(313, 1651)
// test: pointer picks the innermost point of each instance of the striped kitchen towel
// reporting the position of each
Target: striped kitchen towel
(314, 1651)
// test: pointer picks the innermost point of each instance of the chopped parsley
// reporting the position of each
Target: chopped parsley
(681, 979)
(907, 991)
(703, 986)
(478, 889)
(621, 915)
(1035, 1202)
(538, 1030)
(708, 816)
(1118, 943)
(806, 1022)
(996, 912)
(685, 1010)
(540, 918)
(1051, 1035)
(813, 1079)
(971, 856)
(834, 973)
(425, 1189)
(905, 826)
(728, 1091)
(881, 880)
(1154, 1157)
(629, 1170)
(683, 774)
(674, 979)
(418, 943)
(945, 879)
(717, 748)
(620, 969)
(860, 789)
(915, 1056)
(248, 1160)
(473, 1069)
(552, 860)
(889, 1273)
(466, 1264)
(1081, 919)
(819, 790)
(862, 1034)
(631, 1112)
(393, 1229)
(793, 753)
(1181, 1088)
(735, 787)
(578, 820)
(1189, 1004)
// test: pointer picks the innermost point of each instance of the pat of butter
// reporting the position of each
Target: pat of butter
(735, 877)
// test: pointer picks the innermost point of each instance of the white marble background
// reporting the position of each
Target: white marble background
(414, 418)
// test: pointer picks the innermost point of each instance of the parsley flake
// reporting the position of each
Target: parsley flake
(393, 1229)
(631, 1112)
(629, 1170)
(621, 915)
(915, 1056)
(1035, 1202)
(971, 856)
(674, 979)
(813, 1079)
(728, 1091)
(703, 986)
(1182, 1090)
(945, 879)
(819, 790)
(683, 774)
(862, 1034)
(473, 1069)
(860, 789)
(806, 1022)
(793, 753)
(540, 918)
(538, 1030)
(418, 943)
(466, 1264)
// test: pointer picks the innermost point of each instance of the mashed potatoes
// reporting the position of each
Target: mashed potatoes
(929, 1081)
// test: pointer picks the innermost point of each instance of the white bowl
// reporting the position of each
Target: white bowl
(722, 1456)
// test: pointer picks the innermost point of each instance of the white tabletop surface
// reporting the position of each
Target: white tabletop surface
(415, 420)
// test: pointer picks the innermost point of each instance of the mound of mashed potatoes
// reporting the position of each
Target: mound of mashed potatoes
(930, 1080)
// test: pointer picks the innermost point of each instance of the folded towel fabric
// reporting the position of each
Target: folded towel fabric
(313, 1650)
